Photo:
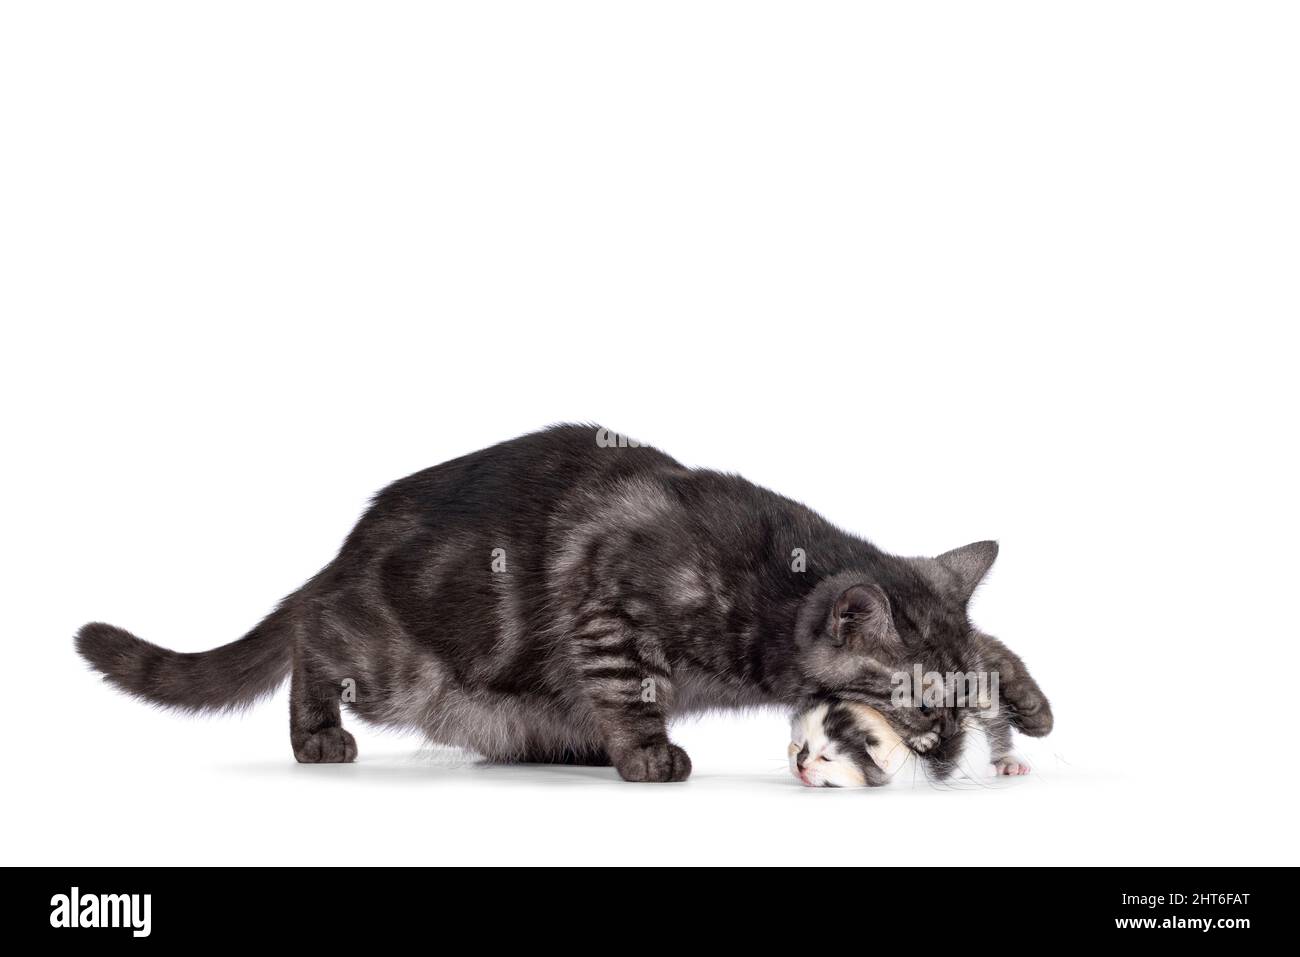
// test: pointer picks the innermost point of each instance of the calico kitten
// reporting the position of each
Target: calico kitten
(846, 744)
(561, 596)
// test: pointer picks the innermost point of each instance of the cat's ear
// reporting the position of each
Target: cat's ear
(968, 565)
(861, 614)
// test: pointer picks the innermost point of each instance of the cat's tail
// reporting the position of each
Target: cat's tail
(235, 674)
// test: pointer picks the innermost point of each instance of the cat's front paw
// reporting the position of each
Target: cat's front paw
(1032, 715)
(658, 762)
(330, 746)
(1011, 765)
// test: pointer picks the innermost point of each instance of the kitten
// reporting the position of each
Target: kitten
(561, 596)
(846, 744)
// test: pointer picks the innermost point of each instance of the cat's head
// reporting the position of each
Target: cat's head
(891, 638)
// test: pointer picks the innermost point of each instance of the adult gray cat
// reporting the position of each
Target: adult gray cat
(559, 597)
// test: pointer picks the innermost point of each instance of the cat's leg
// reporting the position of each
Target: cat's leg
(1005, 761)
(315, 727)
(1027, 707)
(626, 692)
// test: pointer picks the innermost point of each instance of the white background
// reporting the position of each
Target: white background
(944, 272)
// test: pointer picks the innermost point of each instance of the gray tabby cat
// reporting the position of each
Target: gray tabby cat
(561, 596)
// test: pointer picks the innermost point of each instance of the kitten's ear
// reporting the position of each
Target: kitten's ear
(969, 564)
(884, 746)
(861, 613)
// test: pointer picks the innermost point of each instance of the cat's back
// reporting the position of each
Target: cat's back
(528, 476)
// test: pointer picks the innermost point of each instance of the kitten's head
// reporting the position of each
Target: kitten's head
(844, 744)
(847, 744)
(858, 632)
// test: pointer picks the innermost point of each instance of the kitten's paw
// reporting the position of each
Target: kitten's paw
(331, 746)
(1011, 765)
(659, 762)
(921, 743)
